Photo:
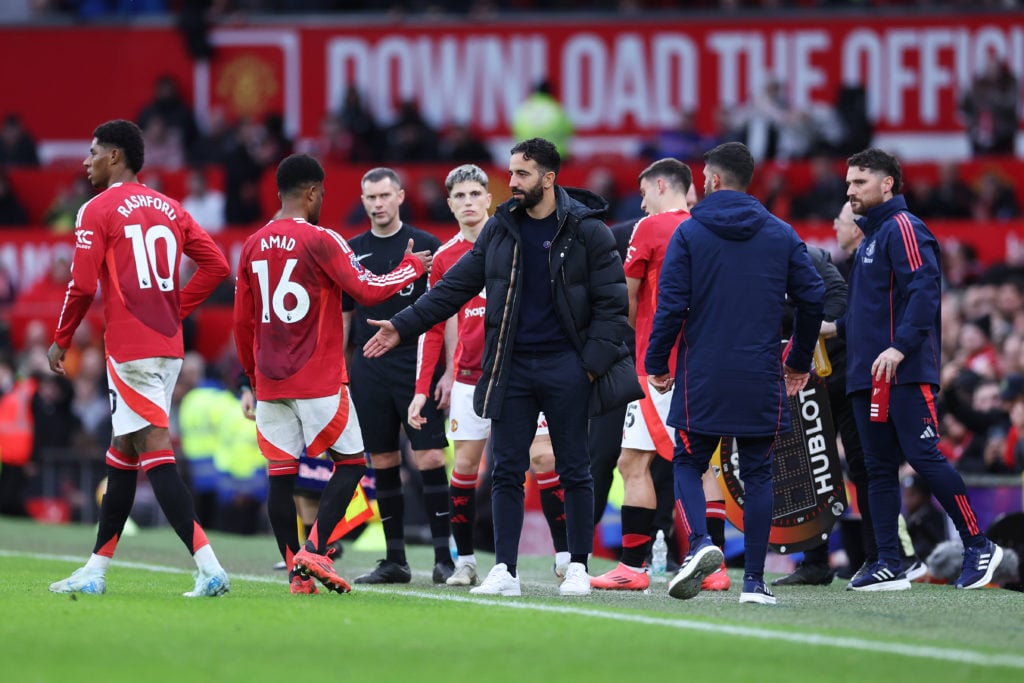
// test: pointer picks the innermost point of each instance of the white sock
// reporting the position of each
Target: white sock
(206, 560)
(562, 558)
(465, 559)
(98, 563)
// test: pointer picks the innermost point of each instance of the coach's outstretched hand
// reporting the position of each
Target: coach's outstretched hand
(424, 256)
(386, 339)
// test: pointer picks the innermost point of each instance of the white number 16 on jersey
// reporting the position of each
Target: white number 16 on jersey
(283, 289)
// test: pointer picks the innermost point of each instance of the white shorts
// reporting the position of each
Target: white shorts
(140, 392)
(463, 422)
(284, 427)
(646, 427)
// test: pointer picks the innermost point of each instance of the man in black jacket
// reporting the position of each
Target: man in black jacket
(555, 326)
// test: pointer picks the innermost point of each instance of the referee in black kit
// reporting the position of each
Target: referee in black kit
(382, 388)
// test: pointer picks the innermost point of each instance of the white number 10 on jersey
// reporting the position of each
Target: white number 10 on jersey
(144, 250)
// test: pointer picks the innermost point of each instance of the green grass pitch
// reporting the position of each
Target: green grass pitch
(142, 630)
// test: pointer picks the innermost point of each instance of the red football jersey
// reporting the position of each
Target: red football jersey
(288, 322)
(131, 239)
(469, 350)
(643, 262)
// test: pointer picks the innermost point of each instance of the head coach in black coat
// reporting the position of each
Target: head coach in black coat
(556, 325)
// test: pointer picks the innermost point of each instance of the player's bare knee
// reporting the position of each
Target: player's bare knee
(634, 464)
(124, 445)
(383, 461)
(429, 459)
(150, 438)
(542, 461)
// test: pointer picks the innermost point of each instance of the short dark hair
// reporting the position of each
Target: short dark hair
(735, 163)
(127, 137)
(879, 161)
(542, 151)
(375, 175)
(463, 174)
(298, 171)
(675, 173)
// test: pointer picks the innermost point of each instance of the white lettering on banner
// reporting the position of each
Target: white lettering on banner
(914, 68)
(640, 80)
(649, 79)
(746, 65)
(478, 79)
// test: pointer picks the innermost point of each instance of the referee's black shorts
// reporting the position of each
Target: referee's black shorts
(382, 389)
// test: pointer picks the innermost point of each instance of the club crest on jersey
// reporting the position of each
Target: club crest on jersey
(869, 253)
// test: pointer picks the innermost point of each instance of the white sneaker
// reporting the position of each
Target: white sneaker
(210, 584)
(499, 582)
(82, 580)
(561, 565)
(464, 575)
(577, 581)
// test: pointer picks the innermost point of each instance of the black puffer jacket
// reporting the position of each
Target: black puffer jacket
(588, 291)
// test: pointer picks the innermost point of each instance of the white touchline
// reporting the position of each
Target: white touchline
(988, 659)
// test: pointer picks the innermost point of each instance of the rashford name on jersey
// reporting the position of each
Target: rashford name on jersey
(139, 201)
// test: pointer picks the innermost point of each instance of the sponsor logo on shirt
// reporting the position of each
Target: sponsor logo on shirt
(83, 239)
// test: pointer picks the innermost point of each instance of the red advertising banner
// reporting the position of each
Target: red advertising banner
(614, 79)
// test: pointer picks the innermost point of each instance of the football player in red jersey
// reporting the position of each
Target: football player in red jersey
(667, 190)
(131, 239)
(289, 331)
(462, 339)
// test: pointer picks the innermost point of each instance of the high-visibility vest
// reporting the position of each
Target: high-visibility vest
(16, 423)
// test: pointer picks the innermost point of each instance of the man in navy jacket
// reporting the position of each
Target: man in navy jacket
(723, 285)
(892, 332)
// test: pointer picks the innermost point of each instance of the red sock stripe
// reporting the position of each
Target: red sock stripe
(634, 540)
(716, 509)
(118, 461)
(109, 547)
(350, 462)
(156, 459)
(464, 481)
(199, 539)
(281, 468)
(548, 480)
(968, 513)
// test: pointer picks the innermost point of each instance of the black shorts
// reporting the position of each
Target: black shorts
(382, 389)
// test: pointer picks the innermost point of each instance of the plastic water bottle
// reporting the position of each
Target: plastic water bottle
(659, 554)
(822, 364)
